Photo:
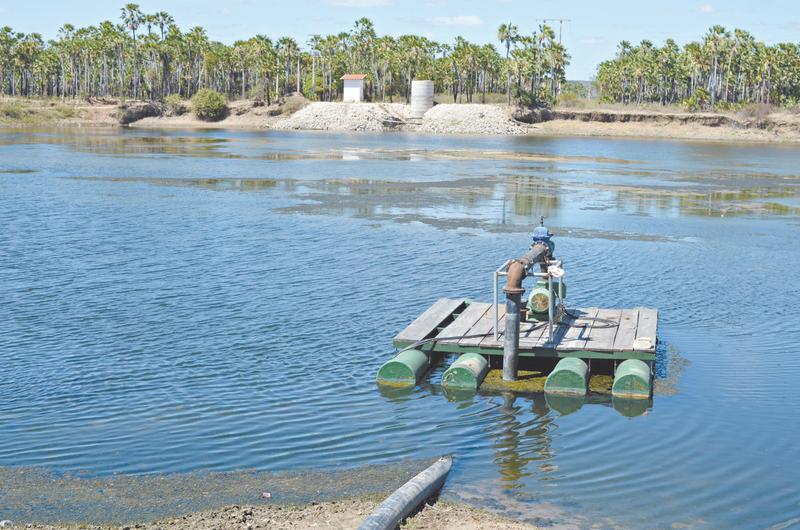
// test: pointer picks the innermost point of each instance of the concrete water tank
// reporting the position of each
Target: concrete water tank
(421, 98)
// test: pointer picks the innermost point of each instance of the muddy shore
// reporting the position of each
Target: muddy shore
(246, 500)
(443, 119)
(339, 515)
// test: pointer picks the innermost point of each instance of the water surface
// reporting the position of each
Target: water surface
(217, 301)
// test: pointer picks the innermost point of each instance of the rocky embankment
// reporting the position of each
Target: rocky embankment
(379, 117)
(325, 116)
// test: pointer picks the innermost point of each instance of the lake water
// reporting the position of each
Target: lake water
(175, 301)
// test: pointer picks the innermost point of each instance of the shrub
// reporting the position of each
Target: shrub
(292, 104)
(697, 101)
(209, 105)
(64, 111)
(571, 101)
(757, 112)
(13, 111)
(175, 105)
(259, 96)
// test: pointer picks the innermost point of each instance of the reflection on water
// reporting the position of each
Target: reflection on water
(517, 444)
(219, 184)
(214, 301)
(564, 404)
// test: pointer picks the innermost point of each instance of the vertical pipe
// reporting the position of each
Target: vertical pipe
(511, 336)
(550, 307)
(496, 316)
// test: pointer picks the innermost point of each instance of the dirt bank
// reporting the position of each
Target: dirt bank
(19, 112)
(773, 127)
(295, 113)
(344, 514)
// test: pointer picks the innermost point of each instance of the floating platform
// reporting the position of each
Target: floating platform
(625, 339)
(621, 334)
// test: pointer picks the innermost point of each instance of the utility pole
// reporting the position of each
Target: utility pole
(560, 24)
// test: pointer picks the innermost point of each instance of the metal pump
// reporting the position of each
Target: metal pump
(541, 301)
(542, 235)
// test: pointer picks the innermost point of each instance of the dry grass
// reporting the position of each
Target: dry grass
(583, 103)
(21, 112)
(571, 101)
(288, 105)
(757, 113)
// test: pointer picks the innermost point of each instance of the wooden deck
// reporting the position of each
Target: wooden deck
(630, 335)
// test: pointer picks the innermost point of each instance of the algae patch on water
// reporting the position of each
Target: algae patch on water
(527, 381)
(17, 171)
(530, 382)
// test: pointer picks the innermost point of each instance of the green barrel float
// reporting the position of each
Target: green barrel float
(569, 377)
(632, 380)
(404, 370)
(466, 373)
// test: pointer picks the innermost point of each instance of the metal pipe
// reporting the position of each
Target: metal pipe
(518, 268)
(550, 308)
(517, 271)
(511, 337)
(494, 300)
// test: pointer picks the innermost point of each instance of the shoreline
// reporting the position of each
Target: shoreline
(442, 120)
(342, 514)
(43, 499)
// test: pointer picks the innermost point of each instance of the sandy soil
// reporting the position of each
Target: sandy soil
(688, 131)
(338, 515)
(442, 119)
(241, 115)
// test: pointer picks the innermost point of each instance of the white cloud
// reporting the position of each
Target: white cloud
(359, 3)
(705, 8)
(458, 20)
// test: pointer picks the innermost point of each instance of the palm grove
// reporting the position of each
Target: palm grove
(723, 70)
(147, 56)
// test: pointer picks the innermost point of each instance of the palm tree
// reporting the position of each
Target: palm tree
(508, 33)
(288, 49)
(132, 17)
(117, 59)
(163, 20)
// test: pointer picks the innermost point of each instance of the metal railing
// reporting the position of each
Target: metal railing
(551, 316)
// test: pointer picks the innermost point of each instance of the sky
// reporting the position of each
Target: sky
(591, 33)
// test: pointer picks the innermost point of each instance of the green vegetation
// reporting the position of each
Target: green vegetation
(175, 105)
(22, 112)
(532, 382)
(209, 104)
(147, 56)
(726, 70)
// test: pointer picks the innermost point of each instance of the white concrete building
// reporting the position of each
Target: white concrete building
(353, 87)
